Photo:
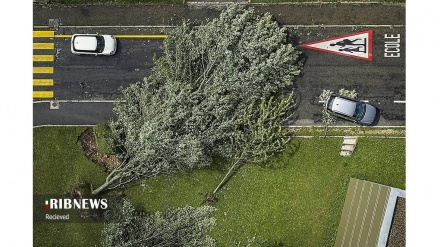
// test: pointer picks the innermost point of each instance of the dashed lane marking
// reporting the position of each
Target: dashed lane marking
(43, 70)
(42, 94)
(42, 82)
(43, 46)
(43, 34)
(43, 58)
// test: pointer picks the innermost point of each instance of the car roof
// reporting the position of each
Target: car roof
(85, 43)
(344, 106)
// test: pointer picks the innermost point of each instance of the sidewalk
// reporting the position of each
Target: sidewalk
(169, 15)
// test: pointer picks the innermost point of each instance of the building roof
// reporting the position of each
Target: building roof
(367, 214)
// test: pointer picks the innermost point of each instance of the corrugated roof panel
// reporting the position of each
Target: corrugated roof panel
(362, 215)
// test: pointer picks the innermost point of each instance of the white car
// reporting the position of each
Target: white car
(93, 44)
(351, 109)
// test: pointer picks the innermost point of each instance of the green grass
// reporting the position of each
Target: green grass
(333, 1)
(350, 131)
(67, 234)
(296, 199)
(115, 1)
(182, 1)
(101, 132)
(59, 163)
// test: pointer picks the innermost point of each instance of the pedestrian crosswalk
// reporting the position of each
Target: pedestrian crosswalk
(42, 82)
(43, 64)
(43, 46)
(43, 58)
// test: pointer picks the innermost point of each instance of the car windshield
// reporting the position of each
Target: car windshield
(330, 103)
(100, 44)
(360, 111)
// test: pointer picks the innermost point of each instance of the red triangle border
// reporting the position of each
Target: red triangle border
(370, 45)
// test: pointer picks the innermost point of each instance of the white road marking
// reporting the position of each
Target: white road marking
(400, 101)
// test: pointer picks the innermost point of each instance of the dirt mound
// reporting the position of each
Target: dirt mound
(88, 143)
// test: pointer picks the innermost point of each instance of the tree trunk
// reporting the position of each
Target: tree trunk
(106, 184)
(225, 177)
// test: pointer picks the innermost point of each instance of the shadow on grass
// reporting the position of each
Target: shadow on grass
(219, 164)
(283, 159)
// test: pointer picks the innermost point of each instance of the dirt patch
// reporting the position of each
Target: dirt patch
(397, 235)
(88, 143)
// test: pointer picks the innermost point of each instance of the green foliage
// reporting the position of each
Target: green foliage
(259, 135)
(348, 93)
(216, 87)
(187, 226)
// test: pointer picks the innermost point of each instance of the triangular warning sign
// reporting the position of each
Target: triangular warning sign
(355, 45)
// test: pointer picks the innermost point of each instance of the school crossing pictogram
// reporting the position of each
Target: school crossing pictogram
(356, 45)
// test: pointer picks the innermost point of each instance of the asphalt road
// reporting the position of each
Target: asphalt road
(160, 15)
(382, 81)
(72, 113)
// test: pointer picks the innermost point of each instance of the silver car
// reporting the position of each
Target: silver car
(93, 44)
(351, 109)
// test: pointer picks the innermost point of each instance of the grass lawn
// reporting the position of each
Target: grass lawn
(59, 164)
(183, 1)
(296, 199)
(326, 1)
(348, 131)
(115, 1)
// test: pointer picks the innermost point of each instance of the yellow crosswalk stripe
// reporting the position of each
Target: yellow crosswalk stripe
(43, 58)
(42, 94)
(43, 46)
(42, 82)
(43, 34)
(43, 70)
